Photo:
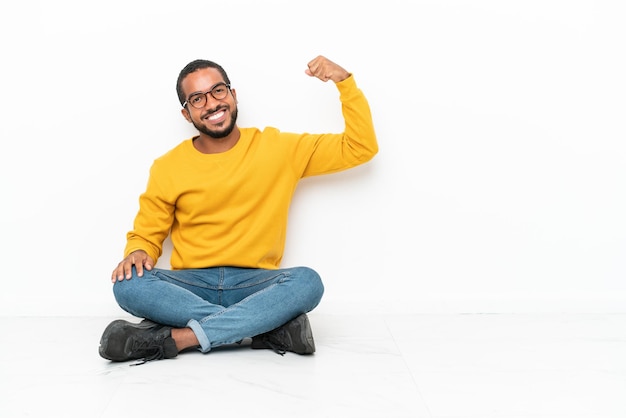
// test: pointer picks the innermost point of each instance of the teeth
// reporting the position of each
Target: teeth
(216, 116)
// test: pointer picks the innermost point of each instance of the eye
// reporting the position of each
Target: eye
(219, 90)
(195, 99)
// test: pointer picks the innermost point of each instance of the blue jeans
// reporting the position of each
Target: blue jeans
(222, 305)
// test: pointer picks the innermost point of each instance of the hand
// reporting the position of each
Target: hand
(140, 259)
(324, 69)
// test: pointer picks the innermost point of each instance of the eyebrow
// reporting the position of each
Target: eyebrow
(206, 91)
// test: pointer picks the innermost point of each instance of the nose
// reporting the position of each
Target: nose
(210, 100)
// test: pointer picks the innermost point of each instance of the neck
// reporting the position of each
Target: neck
(208, 145)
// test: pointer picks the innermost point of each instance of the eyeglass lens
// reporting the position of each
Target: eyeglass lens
(218, 92)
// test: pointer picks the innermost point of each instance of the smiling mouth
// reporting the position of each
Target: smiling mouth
(216, 115)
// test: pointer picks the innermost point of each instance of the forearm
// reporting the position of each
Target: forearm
(359, 130)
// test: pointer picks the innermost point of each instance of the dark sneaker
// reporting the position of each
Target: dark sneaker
(123, 341)
(294, 336)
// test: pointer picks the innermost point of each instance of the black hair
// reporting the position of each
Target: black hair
(195, 66)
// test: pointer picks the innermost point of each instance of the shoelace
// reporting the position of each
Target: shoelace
(276, 345)
(149, 344)
(278, 349)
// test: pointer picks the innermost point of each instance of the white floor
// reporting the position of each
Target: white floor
(389, 366)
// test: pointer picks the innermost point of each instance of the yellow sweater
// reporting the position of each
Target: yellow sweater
(230, 209)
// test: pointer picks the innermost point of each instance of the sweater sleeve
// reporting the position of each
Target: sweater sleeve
(328, 153)
(153, 220)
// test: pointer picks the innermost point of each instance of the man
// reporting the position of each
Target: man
(223, 196)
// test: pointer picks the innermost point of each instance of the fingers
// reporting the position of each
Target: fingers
(124, 270)
(324, 69)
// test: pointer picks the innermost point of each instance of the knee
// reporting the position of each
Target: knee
(122, 291)
(125, 291)
(312, 282)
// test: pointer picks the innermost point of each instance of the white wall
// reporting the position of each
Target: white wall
(499, 186)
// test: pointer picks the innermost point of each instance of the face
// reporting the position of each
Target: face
(217, 118)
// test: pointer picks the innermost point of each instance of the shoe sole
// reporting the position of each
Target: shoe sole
(306, 336)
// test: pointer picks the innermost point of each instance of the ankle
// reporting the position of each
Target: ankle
(184, 338)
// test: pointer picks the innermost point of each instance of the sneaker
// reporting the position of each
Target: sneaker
(294, 336)
(123, 341)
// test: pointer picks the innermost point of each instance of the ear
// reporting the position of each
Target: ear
(234, 93)
(185, 114)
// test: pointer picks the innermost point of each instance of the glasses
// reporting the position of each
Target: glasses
(198, 100)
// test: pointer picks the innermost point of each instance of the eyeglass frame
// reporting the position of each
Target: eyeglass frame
(221, 84)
